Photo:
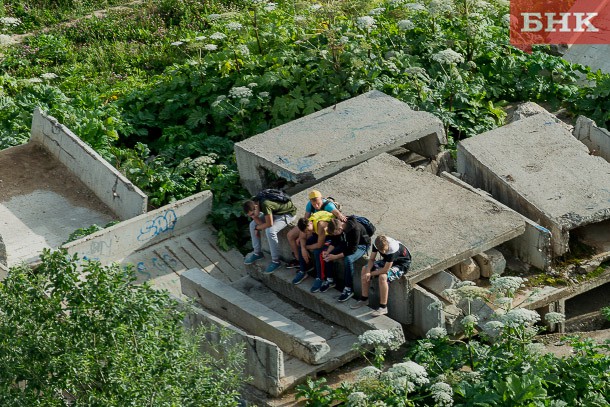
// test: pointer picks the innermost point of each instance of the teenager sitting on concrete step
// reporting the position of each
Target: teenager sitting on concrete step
(349, 241)
(394, 263)
(314, 237)
(271, 217)
(316, 203)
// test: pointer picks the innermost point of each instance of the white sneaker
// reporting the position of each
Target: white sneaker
(359, 304)
(380, 311)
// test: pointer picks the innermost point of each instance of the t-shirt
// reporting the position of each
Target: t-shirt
(397, 254)
(327, 206)
(269, 207)
(323, 216)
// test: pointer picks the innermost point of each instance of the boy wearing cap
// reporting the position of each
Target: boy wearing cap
(313, 237)
(316, 203)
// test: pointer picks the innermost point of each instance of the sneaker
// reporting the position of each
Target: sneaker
(359, 304)
(252, 257)
(327, 285)
(292, 264)
(274, 265)
(316, 285)
(298, 279)
(380, 311)
(346, 294)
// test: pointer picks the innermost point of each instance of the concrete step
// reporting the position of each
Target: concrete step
(325, 304)
(252, 315)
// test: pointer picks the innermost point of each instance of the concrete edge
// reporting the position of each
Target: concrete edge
(109, 185)
(232, 305)
(533, 246)
(124, 238)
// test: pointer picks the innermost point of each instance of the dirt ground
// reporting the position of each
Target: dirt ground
(28, 167)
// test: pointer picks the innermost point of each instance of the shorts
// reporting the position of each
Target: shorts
(395, 272)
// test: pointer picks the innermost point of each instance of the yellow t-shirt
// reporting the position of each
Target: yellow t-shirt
(320, 216)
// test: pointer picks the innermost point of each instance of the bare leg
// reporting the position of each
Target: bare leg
(293, 240)
(365, 284)
(383, 289)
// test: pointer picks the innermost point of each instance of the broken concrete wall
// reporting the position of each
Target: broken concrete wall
(109, 185)
(428, 312)
(264, 360)
(533, 246)
(595, 138)
(122, 239)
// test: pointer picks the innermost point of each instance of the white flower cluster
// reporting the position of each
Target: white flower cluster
(415, 6)
(448, 57)
(411, 371)
(406, 25)
(418, 71)
(366, 23)
(356, 399)
(442, 394)
(554, 318)
(6, 40)
(48, 76)
(10, 21)
(470, 320)
(315, 7)
(465, 292)
(535, 349)
(520, 317)
(243, 49)
(493, 328)
(34, 80)
(210, 47)
(376, 11)
(439, 7)
(377, 337)
(214, 17)
(436, 333)
(506, 285)
(368, 373)
(240, 92)
(504, 302)
(218, 36)
(270, 6)
(177, 43)
(234, 26)
(264, 94)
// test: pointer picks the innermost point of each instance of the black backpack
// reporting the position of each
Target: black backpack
(368, 225)
(274, 195)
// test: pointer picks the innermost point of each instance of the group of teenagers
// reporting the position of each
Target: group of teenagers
(323, 236)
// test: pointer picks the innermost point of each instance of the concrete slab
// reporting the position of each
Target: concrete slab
(596, 138)
(595, 56)
(253, 316)
(536, 167)
(323, 143)
(42, 203)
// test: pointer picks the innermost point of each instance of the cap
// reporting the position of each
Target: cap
(315, 194)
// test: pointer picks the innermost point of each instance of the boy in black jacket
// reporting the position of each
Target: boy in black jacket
(349, 241)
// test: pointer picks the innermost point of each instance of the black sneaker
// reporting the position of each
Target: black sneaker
(327, 285)
(346, 294)
(292, 264)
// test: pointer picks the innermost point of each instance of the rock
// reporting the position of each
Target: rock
(467, 270)
(491, 262)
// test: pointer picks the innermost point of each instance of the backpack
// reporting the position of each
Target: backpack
(330, 199)
(368, 225)
(274, 195)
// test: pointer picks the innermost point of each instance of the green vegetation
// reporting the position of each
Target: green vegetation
(163, 89)
(71, 337)
(502, 365)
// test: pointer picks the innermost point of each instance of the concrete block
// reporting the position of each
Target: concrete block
(453, 318)
(468, 270)
(424, 316)
(124, 238)
(337, 137)
(529, 165)
(533, 246)
(232, 305)
(108, 184)
(491, 262)
(595, 138)
(264, 360)
(440, 282)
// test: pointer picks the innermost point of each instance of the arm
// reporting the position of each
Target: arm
(321, 237)
(303, 241)
(262, 225)
(339, 215)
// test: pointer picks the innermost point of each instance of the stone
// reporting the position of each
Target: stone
(440, 282)
(491, 262)
(468, 270)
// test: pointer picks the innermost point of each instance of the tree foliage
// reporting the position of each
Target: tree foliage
(92, 338)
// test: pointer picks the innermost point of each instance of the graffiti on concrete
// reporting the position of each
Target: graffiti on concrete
(164, 264)
(161, 224)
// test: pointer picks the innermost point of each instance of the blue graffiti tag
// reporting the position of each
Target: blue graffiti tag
(158, 225)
